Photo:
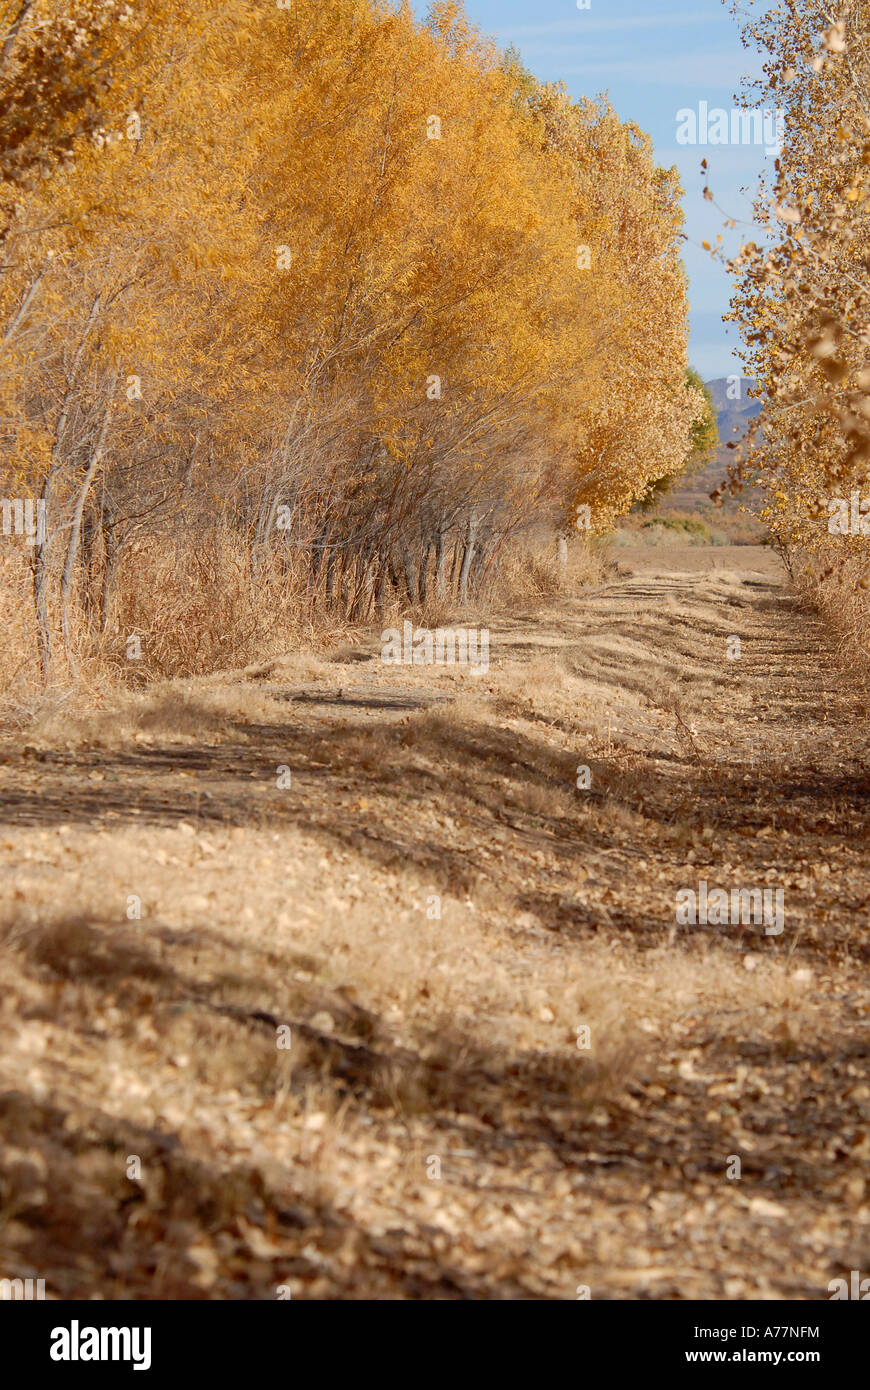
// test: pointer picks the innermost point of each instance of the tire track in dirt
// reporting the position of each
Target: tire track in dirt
(454, 1036)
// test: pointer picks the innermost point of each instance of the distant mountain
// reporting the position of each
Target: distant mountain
(723, 389)
(734, 410)
(734, 406)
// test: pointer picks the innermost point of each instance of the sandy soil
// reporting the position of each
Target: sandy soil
(511, 1072)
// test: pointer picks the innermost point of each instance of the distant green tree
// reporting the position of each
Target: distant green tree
(705, 431)
(705, 438)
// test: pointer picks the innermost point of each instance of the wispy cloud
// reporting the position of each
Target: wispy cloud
(581, 23)
(703, 73)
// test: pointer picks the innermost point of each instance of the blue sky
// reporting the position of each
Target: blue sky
(653, 59)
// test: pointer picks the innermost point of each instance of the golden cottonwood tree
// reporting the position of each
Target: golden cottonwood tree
(349, 302)
(636, 422)
(803, 298)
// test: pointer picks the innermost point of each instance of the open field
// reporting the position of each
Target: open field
(437, 912)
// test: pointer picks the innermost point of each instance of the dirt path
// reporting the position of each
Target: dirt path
(444, 920)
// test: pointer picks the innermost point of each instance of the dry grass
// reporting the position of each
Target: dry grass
(435, 910)
(194, 611)
(841, 594)
(533, 570)
(19, 667)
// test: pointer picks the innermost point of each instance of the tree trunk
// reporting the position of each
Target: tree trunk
(113, 555)
(470, 538)
(424, 572)
(454, 563)
(41, 553)
(409, 573)
(72, 549)
(440, 561)
(39, 566)
(380, 588)
(266, 516)
(363, 575)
